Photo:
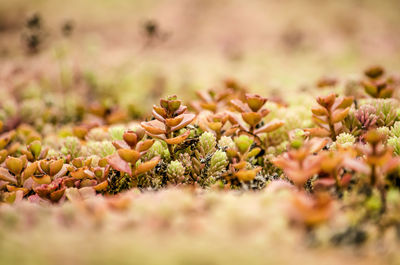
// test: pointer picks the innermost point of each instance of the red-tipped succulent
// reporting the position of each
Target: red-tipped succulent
(129, 151)
(218, 124)
(239, 167)
(82, 174)
(16, 176)
(329, 115)
(169, 117)
(301, 164)
(252, 113)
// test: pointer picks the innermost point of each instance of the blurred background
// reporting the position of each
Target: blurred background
(148, 48)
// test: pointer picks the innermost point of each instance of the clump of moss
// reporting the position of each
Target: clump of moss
(118, 182)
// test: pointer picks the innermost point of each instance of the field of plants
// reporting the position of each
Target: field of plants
(199, 132)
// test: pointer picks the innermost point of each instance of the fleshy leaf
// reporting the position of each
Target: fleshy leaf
(146, 166)
(179, 139)
(269, 127)
(119, 164)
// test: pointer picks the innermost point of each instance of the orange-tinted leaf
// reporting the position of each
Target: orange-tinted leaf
(146, 166)
(247, 175)
(156, 113)
(270, 126)
(15, 189)
(43, 179)
(120, 144)
(320, 119)
(171, 122)
(318, 132)
(78, 174)
(344, 102)
(154, 127)
(56, 195)
(326, 101)
(215, 126)
(211, 106)
(159, 111)
(255, 101)
(56, 166)
(239, 105)
(251, 118)
(187, 118)
(129, 155)
(357, 165)
(179, 139)
(119, 164)
(101, 186)
(319, 111)
(339, 114)
(130, 137)
(144, 145)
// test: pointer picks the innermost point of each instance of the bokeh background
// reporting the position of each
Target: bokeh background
(147, 48)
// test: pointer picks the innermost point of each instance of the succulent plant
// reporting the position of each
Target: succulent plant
(394, 142)
(352, 125)
(239, 156)
(226, 142)
(35, 151)
(170, 117)
(72, 147)
(300, 164)
(378, 162)
(386, 110)
(252, 113)
(207, 143)
(129, 152)
(52, 192)
(376, 84)
(175, 172)
(311, 211)
(329, 115)
(218, 163)
(343, 141)
(82, 174)
(211, 100)
(17, 176)
(218, 124)
(335, 166)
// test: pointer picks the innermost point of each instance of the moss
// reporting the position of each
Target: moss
(118, 182)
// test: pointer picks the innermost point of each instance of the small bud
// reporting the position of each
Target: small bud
(35, 147)
(243, 142)
(130, 138)
(255, 102)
